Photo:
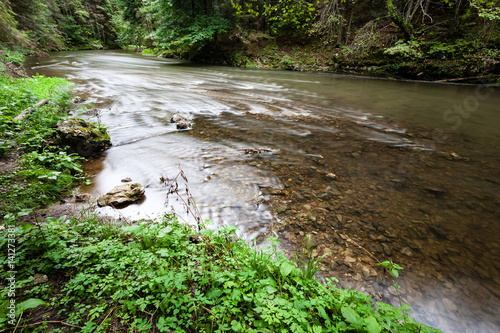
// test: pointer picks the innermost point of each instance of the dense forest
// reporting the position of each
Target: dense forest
(428, 39)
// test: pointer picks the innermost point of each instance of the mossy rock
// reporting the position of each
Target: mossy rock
(82, 138)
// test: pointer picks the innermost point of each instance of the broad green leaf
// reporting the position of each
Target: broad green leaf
(286, 268)
(28, 304)
(322, 312)
(214, 293)
(372, 326)
(165, 231)
(317, 329)
(350, 315)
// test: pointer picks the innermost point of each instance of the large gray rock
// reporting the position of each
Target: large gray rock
(122, 195)
(82, 137)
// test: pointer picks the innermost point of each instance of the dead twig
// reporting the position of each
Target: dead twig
(23, 113)
(39, 323)
(258, 150)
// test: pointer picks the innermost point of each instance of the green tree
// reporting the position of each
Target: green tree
(8, 30)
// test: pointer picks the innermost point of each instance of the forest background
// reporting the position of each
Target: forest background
(416, 39)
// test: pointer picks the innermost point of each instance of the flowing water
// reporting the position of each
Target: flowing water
(372, 169)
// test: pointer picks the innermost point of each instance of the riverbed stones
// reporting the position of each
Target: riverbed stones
(331, 175)
(122, 195)
(82, 197)
(368, 271)
(82, 137)
(387, 250)
(407, 251)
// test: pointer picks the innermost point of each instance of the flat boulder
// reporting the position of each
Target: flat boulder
(82, 137)
(122, 195)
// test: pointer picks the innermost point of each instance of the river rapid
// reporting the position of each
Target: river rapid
(373, 169)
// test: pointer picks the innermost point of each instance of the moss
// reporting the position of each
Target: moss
(82, 137)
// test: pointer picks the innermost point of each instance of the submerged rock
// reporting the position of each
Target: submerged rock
(183, 124)
(122, 195)
(82, 137)
(176, 118)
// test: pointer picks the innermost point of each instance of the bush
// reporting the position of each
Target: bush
(403, 49)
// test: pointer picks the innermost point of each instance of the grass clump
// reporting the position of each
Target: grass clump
(163, 276)
(42, 171)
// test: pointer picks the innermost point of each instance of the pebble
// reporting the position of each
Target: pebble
(82, 197)
(449, 305)
(349, 260)
(377, 248)
(387, 250)
(183, 124)
(40, 278)
(368, 271)
(126, 180)
(407, 251)
(331, 175)
(176, 118)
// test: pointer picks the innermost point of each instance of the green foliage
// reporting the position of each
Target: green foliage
(486, 9)
(59, 161)
(188, 39)
(9, 54)
(8, 25)
(149, 51)
(393, 268)
(59, 24)
(45, 172)
(163, 274)
(404, 49)
(290, 16)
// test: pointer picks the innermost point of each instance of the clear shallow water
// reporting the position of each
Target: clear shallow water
(390, 144)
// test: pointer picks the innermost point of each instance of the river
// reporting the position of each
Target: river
(373, 169)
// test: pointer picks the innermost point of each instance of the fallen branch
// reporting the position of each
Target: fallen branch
(39, 323)
(468, 78)
(258, 150)
(23, 113)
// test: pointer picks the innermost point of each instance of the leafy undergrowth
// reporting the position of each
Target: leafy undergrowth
(36, 172)
(163, 276)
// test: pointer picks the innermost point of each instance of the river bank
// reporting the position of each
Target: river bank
(419, 61)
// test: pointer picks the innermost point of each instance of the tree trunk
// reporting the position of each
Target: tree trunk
(399, 20)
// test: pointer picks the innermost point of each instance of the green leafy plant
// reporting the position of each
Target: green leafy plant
(405, 49)
(309, 265)
(44, 172)
(393, 269)
(166, 275)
